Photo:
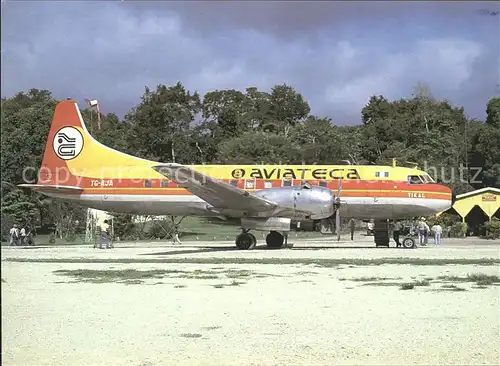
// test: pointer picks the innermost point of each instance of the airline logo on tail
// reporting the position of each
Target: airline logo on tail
(68, 143)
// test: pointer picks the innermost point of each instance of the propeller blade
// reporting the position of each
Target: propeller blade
(337, 223)
(339, 190)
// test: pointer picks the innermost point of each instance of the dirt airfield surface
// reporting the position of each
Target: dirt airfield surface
(321, 302)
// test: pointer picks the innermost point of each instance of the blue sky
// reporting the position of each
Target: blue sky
(337, 54)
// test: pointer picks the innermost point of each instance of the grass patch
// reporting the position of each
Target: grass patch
(133, 276)
(480, 279)
(370, 279)
(450, 287)
(305, 273)
(212, 327)
(127, 276)
(132, 282)
(382, 284)
(200, 277)
(422, 283)
(319, 262)
(238, 273)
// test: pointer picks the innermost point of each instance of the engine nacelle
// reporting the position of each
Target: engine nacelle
(315, 199)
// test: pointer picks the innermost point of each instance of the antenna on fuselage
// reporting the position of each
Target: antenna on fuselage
(412, 163)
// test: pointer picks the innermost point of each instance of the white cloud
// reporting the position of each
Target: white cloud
(443, 64)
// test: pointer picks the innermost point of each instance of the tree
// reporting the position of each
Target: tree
(486, 154)
(287, 108)
(421, 130)
(493, 112)
(224, 113)
(256, 148)
(161, 124)
(318, 141)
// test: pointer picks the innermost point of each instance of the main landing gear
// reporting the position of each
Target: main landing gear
(247, 241)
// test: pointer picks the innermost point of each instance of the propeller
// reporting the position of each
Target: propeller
(337, 211)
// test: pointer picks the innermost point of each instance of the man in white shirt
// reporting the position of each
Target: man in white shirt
(23, 235)
(437, 230)
(104, 237)
(14, 235)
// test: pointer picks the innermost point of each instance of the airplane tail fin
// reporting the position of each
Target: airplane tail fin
(65, 143)
(73, 158)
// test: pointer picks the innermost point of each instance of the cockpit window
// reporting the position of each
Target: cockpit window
(415, 179)
(428, 178)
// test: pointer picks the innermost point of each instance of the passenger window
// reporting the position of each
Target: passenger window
(323, 183)
(234, 183)
(268, 184)
(377, 174)
(164, 183)
(147, 183)
(386, 174)
(250, 184)
(287, 183)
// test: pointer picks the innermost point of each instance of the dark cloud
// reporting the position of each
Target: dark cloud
(336, 54)
(288, 18)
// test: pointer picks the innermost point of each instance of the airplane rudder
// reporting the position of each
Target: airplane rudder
(65, 141)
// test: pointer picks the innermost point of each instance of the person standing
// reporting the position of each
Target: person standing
(396, 228)
(22, 234)
(421, 230)
(352, 226)
(104, 237)
(14, 235)
(427, 231)
(437, 230)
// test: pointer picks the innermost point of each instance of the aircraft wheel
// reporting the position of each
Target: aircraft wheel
(408, 243)
(274, 239)
(246, 241)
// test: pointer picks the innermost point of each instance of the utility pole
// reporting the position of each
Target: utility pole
(466, 153)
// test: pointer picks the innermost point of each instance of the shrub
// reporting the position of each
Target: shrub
(458, 230)
(492, 229)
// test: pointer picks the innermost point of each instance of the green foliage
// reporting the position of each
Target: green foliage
(123, 225)
(493, 112)
(492, 228)
(160, 124)
(422, 130)
(458, 230)
(272, 148)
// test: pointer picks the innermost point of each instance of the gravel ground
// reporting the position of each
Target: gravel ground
(249, 314)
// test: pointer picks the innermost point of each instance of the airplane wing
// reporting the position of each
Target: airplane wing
(219, 194)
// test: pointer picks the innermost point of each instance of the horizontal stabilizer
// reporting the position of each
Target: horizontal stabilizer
(49, 188)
